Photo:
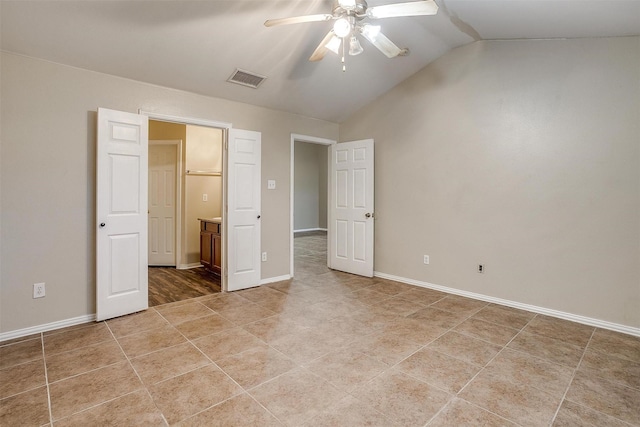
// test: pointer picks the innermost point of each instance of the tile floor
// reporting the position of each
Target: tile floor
(324, 349)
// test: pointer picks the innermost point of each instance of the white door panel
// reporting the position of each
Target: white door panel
(243, 211)
(121, 214)
(351, 212)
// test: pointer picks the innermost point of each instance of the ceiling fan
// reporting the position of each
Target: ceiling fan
(350, 19)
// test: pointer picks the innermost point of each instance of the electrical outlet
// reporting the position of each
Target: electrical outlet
(426, 259)
(271, 184)
(205, 197)
(264, 256)
(480, 268)
(38, 290)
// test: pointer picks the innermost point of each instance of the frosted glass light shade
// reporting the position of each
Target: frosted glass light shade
(354, 46)
(334, 44)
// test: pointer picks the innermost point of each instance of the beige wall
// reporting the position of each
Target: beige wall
(203, 153)
(166, 130)
(310, 186)
(524, 156)
(48, 114)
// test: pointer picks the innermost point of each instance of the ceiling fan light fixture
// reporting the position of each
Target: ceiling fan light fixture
(355, 48)
(370, 31)
(342, 27)
(334, 44)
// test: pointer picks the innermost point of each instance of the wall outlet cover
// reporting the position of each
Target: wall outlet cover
(271, 184)
(38, 290)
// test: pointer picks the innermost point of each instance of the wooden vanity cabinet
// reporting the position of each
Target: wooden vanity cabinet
(210, 246)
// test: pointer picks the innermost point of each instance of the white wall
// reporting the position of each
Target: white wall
(524, 156)
(48, 114)
(310, 186)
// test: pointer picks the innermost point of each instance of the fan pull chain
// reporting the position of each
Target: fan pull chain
(344, 65)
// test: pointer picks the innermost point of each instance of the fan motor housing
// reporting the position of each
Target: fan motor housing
(360, 11)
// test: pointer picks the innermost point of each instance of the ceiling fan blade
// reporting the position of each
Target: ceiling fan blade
(414, 8)
(298, 20)
(321, 50)
(385, 45)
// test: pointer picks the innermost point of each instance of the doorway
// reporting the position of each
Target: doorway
(309, 199)
(185, 184)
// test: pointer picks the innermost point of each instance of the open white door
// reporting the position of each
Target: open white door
(350, 235)
(121, 214)
(243, 209)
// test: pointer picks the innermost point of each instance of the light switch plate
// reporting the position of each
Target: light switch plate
(271, 184)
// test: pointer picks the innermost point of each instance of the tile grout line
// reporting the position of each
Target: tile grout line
(453, 395)
(487, 364)
(137, 374)
(389, 368)
(46, 379)
(221, 370)
(573, 375)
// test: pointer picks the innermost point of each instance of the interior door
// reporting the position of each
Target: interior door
(121, 214)
(351, 211)
(162, 210)
(243, 209)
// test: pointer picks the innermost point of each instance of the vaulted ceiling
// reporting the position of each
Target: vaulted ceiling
(196, 45)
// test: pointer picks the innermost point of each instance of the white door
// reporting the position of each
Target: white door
(121, 214)
(351, 211)
(162, 210)
(243, 209)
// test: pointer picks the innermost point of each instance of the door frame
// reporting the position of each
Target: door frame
(225, 127)
(311, 140)
(178, 194)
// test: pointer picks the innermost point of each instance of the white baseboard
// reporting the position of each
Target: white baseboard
(275, 279)
(92, 317)
(533, 308)
(188, 266)
(19, 333)
(309, 229)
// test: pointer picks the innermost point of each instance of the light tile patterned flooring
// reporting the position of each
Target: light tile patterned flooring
(325, 349)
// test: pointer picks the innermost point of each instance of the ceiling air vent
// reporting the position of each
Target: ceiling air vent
(246, 78)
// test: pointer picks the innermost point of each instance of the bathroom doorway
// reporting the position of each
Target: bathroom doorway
(185, 184)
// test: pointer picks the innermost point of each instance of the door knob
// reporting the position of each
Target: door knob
(368, 215)
(258, 216)
(102, 224)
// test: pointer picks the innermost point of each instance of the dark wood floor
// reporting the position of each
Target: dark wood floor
(167, 284)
